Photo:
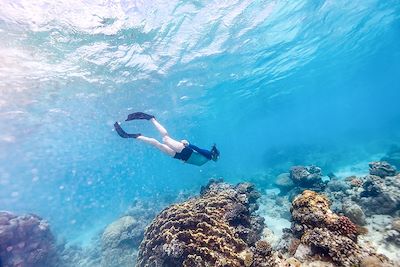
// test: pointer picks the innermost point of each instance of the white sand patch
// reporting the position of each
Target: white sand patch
(357, 169)
(377, 226)
(276, 225)
(275, 213)
(85, 238)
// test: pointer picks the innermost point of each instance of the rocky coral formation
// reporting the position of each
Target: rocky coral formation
(284, 183)
(26, 241)
(360, 199)
(368, 195)
(305, 175)
(298, 179)
(310, 210)
(354, 212)
(326, 233)
(218, 228)
(76, 255)
(380, 195)
(120, 241)
(381, 169)
(341, 250)
(393, 232)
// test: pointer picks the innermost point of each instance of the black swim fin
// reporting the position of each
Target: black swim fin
(139, 116)
(122, 133)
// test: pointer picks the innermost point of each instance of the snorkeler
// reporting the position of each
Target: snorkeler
(182, 150)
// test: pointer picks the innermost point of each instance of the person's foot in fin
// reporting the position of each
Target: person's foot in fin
(139, 116)
(124, 134)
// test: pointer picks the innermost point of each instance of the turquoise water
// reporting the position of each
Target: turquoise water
(272, 83)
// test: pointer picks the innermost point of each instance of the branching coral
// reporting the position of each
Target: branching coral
(215, 229)
(344, 227)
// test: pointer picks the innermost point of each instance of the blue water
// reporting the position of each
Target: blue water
(272, 83)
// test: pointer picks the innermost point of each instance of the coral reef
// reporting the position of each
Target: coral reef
(340, 249)
(118, 243)
(26, 241)
(310, 210)
(359, 199)
(381, 169)
(218, 228)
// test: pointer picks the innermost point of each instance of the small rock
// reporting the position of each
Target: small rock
(371, 261)
(396, 224)
(283, 182)
(302, 252)
(354, 212)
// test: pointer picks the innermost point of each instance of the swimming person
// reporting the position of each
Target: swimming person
(181, 150)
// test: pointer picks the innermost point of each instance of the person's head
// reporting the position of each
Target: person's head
(214, 153)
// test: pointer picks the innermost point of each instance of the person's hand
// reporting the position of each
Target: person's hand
(185, 142)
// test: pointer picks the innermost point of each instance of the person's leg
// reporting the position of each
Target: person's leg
(173, 144)
(159, 127)
(167, 140)
(164, 148)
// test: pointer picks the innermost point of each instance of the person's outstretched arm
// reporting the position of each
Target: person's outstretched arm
(201, 151)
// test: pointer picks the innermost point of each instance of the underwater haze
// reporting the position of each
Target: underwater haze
(272, 83)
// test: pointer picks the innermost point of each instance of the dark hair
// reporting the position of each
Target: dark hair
(214, 152)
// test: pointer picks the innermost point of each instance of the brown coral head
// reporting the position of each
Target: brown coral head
(213, 229)
(311, 199)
